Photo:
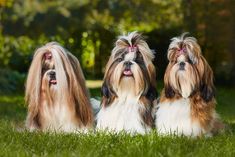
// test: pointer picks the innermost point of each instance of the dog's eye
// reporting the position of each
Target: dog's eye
(190, 62)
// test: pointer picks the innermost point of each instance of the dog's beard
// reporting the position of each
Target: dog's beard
(128, 81)
(183, 80)
(61, 82)
(49, 87)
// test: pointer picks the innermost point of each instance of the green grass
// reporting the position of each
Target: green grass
(14, 141)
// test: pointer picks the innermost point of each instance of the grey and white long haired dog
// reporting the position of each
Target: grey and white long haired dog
(129, 87)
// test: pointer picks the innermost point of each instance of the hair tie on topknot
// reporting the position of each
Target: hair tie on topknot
(132, 48)
(47, 55)
(181, 51)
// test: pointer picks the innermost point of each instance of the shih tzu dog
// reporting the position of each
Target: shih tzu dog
(187, 102)
(128, 90)
(56, 95)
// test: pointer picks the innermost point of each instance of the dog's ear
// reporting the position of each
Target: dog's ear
(105, 91)
(169, 92)
(78, 92)
(207, 92)
(152, 94)
(107, 94)
(207, 88)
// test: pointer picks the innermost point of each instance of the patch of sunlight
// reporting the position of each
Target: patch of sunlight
(232, 121)
(11, 99)
(94, 83)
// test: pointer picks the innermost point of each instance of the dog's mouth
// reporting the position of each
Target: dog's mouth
(127, 72)
(181, 68)
(53, 81)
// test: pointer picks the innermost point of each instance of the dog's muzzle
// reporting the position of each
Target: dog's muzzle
(181, 65)
(127, 71)
(52, 76)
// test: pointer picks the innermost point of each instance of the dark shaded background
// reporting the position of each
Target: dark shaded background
(88, 29)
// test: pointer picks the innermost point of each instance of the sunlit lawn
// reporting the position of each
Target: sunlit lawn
(14, 141)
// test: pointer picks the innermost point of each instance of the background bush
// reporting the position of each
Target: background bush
(12, 82)
(88, 29)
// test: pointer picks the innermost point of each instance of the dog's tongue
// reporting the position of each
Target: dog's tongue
(127, 73)
(53, 81)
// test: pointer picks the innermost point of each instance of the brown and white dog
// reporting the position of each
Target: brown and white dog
(56, 95)
(129, 88)
(187, 102)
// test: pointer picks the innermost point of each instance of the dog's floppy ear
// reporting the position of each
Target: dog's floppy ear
(152, 94)
(78, 93)
(107, 94)
(169, 92)
(207, 92)
(207, 88)
(105, 91)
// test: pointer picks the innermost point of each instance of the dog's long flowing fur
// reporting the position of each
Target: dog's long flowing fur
(62, 106)
(187, 102)
(129, 87)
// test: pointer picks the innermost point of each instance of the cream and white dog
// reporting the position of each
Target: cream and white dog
(187, 102)
(56, 95)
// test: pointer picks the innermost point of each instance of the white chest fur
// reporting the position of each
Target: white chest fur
(175, 118)
(122, 114)
(58, 118)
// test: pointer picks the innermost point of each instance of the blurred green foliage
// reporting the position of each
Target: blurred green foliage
(88, 29)
(11, 82)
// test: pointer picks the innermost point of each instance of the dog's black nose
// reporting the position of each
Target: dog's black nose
(182, 64)
(52, 73)
(128, 63)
